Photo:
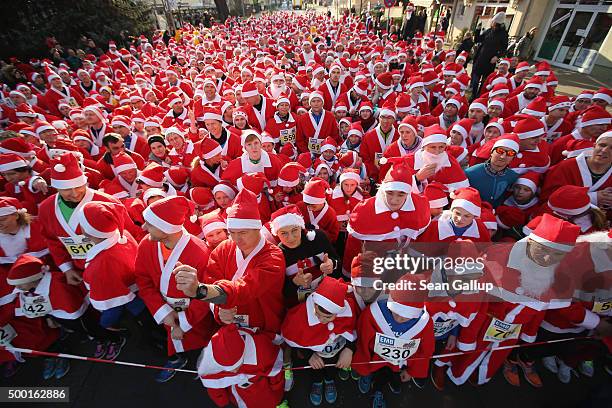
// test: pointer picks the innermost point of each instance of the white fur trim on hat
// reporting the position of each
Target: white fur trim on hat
(551, 244)
(286, 220)
(600, 121)
(527, 183)
(248, 94)
(532, 133)
(224, 189)
(243, 223)
(478, 105)
(466, 205)
(438, 203)
(152, 218)
(327, 304)
(89, 229)
(27, 279)
(603, 96)
(212, 116)
(217, 150)
(435, 138)
(406, 311)
(8, 210)
(386, 112)
(350, 176)
(213, 226)
(124, 167)
(395, 186)
(72, 183)
(312, 200)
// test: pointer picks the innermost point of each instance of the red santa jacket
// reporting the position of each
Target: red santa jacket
(372, 147)
(329, 96)
(54, 97)
(344, 206)
(258, 119)
(201, 176)
(282, 132)
(269, 165)
(450, 173)
(105, 166)
(559, 145)
(109, 272)
(171, 120)
(157, 288)
(185, 156)
(375, 337)
(561, 127)
(575, 318)
(28, 240)
(138, 144)
(324, 220)
(536, 160)
(253, 284)
(25, 193)
(441, 230)
(310, 134)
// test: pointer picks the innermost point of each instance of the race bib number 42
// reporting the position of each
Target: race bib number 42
(499, 330)
(35, 306)
(77, 246)
(395, 350)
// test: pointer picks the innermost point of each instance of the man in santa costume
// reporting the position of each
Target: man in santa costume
(188, 324)
(67, 244)
(377, 140)
(533, 154)
(323, 329)
(517, 103)
(207, 170)
(253, 160)
(97, 123)
(555, 122)
(357, 94)
(134, 143)
(124, 186)
(398, 333)
(58, 92)
(314, 126)
(331, 89)
(245, 274)
(529, 277)
(259, 108)
(178, 113)
(242, 367)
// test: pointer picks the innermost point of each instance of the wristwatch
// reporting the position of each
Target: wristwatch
(201, 292)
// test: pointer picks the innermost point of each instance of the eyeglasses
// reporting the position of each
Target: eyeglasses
(501, 150)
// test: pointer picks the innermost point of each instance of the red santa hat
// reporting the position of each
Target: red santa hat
(331, 295)
(249, 89)
(509, 141)
(399, 178)
(246, 133)
(350, 174)
(41, 126)
(315, 191)
(10, 205)
(315, 94)
(535, 82)
(522, 66)
(103, 220)
(348, 159)
(528, 128)
(555, 233)
(152, 175)
(170, 213)
(593, 115)
(577, 146)
(225, 352)
(226, 188)
(123, 162)
(329, 144)
(559, 102)
(286, 216)
(479, 103)
(487, 216)
(361, 87)
(410, 122)
(434, 134)
(405, 304)
(244, 212)
(173, 98)
(531, 179)
(209, 148)
(289, 175)
(415, 82)
(213, 224)
(66, 172)
(536, 108)
(26, 269)
(212, 113)
(359, 274)
(384, 80)
(463, 126)
(605, 94)
(436, 194)
(11, 161)
(177, 176)
(570, 200)
(153, 192)
(510, 217)
(254, 182)
(467, 198)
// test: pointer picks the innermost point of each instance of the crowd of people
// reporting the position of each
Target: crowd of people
(227, 192)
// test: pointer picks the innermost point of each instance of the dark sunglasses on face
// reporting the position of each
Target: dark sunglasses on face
(501, 150)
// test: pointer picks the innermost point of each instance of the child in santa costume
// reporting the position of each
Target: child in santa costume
(242, 367)
(322, 331)
(345, 196)
(22, 182)
(188, 324)
(19, 233)
(109, 273)
(397, 333)
(316, 210)
(288, 190)
(524, 192)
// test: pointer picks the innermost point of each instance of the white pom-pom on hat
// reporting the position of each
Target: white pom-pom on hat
(311, 235)
(383, 160)
(60, 168)
(193, 218)
(122, 239)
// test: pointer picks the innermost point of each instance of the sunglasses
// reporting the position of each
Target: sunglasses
(501, 150)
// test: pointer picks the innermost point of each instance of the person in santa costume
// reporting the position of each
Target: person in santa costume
(408, 142)
(223, 194)
(314, 126)
(67, 245)
(22, 182)
(229, 142)
(316, 210)
(345, 196)
(214, 231)
(529, 277)
(396, 333)
(109, 273)
(289, 188)
(555, 124)
(114, 144)
(321, 331)
(245, 274)
(524, 193)
(20, 233)
(133, 142)
(259, 108)
(331, 88)
(514, 104)
(253, 160)
(124, 186)
(376, 141)
(188, 324)
(283, 125)
(242, 367)
(206, 171)
(182, 150)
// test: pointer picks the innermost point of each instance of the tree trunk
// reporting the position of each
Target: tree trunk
(222, 10)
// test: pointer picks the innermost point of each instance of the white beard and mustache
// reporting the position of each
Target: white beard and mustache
(536, 280)
(275, 91)
(437, 159)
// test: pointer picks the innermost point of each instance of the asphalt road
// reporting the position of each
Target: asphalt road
(97, 385)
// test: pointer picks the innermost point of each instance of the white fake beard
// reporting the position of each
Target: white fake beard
(536, 281)
(437, 159)
(276, 91)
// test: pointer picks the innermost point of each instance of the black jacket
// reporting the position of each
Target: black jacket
(493, 43)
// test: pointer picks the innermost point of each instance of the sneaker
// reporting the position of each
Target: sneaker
(11, 368)
(551, 364)
(438, 377)
(62, 366)
(330, 392)
(48, 368)
(316, 394)
(419, 382)
(511, 374)
(586, 368)
(284, 404)
(354, 375)
(530, 373)
(101, 347)
(565, 372)
(344, 374)
(379, 400)
(288, 377)
(365, 383)
(114, 348)
(166, 375)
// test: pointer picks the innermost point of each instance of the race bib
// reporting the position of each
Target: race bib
(35, 306)
(443, 327)
(395, 351)
(71, 102)
(332, 347)
(303, 293)
(7, 334)
(78, 246)
(287, 136)
(499, 330)
(604, 308)
(178, 304)
(414, 111)
(241, 320)
(377, 157)
(314, 145)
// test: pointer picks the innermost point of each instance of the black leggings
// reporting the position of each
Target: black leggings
(88, 324)
(385, 376)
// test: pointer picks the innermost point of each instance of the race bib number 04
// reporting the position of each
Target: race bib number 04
(499, 331)
(332, 347)
(78, 246)
(395, 350)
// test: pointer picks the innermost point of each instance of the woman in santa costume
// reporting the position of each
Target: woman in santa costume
(207, 170)
(397, 333)
(253, 160)
(377, 140)
(283, 125)
(188, 324)
(214, 231)
(322, 331)
(407, 143)
(397, 214)
(245, 275)
(109, 273)
(242, 367)
(224, 194)
(528, 280)
(19, 233)
(22, 182)
(183, 150)
(67, 245)
(315, 209)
